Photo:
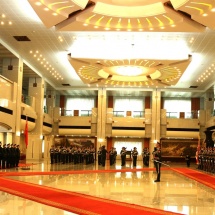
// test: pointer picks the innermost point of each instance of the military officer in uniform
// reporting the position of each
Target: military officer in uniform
(103, 155)
(52, 154)
(4, 156)
(123, 156)
(111, 156)
(157, 161)
(187, 158)
(134, 156)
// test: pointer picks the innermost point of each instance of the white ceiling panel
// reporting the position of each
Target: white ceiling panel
(50, 45)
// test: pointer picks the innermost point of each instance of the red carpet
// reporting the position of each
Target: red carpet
(196, 175)
(73, 202)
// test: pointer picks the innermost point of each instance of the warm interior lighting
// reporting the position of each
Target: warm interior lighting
(38, 3)
(129, 70)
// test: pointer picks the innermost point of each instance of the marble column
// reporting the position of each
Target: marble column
(156, 115)
(101, 120)
(35, 137)
(13, 70)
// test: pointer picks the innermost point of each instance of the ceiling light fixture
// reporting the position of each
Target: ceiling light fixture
(43, 61)
(129, 70)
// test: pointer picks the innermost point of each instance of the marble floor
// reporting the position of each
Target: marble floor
(174, 193)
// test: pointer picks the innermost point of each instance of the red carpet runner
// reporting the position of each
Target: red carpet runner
(74, 202)
(84, 204)
(201, 177)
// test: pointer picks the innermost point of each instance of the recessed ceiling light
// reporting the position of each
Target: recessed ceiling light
(129, 70)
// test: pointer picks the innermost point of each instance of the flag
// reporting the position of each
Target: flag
(26, 132)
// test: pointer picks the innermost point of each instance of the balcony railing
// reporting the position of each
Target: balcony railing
(135, 114)
(64, 112)
(183, 115)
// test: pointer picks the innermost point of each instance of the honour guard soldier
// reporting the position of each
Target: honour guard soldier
(103, 155)
(111, 156)
(157, 161)
(134, 156)
(52, 154)
(123, 156)
(187, 158)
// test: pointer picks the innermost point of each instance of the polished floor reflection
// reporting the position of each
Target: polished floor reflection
(174, 193)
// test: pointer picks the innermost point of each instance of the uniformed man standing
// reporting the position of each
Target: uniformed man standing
(157, 161)
(17, 157)
(123, 156)
(52, 154)
(187, 158)
(4, 156)
(111, 156)
(134, 156)
(146, 156)
(115, 155)
(103, 155)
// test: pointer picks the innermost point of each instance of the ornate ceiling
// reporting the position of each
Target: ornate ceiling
(127, 16)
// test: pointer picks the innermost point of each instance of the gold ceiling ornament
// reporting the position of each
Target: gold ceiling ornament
(202, 11)
(129, 72)
(52, 12)
(158, 16)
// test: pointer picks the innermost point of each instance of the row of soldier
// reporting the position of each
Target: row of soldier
(9, 155)
(134, 155)
(87, 155)
(205, 159)
(77, 155)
